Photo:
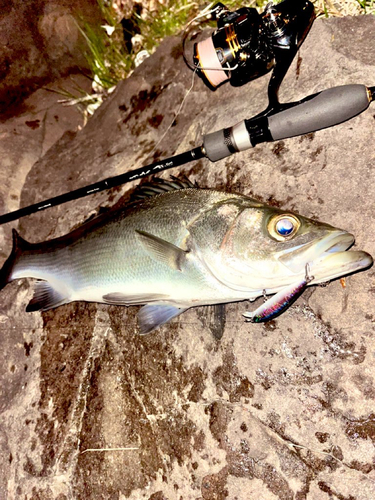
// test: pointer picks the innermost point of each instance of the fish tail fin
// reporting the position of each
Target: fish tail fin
(46, 296)
(19, 246)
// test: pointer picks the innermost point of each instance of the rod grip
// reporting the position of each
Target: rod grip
(215, 146)
(224, 142)
(322, 110)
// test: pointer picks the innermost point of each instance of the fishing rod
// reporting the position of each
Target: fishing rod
(315, 112)
(245, 45)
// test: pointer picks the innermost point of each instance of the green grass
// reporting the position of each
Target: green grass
(106, 55)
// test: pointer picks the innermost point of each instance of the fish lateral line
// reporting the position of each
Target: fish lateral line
(279, 302)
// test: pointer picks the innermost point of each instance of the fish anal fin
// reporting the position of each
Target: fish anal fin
(162, 250)
(45, 297)
(135, 299)
(150, 317)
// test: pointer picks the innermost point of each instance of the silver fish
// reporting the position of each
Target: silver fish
(180, 248)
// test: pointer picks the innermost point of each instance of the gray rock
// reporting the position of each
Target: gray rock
(40, 42)
(280, 411)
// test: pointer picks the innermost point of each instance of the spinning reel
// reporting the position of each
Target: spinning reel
(247, 44)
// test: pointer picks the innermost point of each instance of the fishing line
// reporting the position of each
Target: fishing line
(205, 13)
(176, 115)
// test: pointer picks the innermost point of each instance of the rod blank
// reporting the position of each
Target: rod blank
(132, 175)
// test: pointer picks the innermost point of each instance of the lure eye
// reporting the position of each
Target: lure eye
(283, 227)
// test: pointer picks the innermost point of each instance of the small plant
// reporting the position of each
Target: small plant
(332, 8)
(106, 53)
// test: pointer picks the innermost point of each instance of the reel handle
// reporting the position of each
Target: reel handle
(324, 109)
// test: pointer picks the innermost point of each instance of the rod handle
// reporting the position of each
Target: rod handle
(325, 109)
(222, 143)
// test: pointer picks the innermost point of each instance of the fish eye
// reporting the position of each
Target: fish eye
(283, 227)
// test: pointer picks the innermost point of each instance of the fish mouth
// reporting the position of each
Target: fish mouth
(328, 258)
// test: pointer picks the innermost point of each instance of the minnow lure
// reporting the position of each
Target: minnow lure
(280, 301)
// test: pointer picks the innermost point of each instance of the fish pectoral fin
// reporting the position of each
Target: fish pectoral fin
(162, 250)
(135, 299)
(45, 297)
(151, 317)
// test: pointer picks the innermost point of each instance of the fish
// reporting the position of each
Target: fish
(175, 246)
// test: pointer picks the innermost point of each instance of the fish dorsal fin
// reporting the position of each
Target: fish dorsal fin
(45, 297)
(162, 250)
(151, 317)
(159, 186)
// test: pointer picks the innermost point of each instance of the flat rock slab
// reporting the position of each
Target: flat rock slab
(284, 410)
(27, 136)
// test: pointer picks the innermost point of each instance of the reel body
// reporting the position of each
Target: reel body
(247, 44)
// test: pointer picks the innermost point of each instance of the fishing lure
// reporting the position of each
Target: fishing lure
(280, 301)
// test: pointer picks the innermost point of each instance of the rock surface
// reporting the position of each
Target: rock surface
(40, 42)
(89, 410)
